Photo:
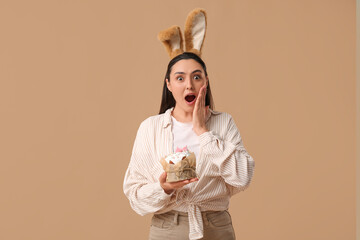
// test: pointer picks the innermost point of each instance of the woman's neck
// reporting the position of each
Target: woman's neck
(181, 116)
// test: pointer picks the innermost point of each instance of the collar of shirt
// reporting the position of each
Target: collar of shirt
(167, 116)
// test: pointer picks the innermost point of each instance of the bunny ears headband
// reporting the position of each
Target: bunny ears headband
(194, 33)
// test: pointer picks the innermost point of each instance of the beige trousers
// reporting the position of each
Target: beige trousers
(174, 225)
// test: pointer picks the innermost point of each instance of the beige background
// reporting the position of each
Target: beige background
(357, 120)
(78, 77)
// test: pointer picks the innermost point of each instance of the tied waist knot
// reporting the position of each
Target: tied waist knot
(196, 225)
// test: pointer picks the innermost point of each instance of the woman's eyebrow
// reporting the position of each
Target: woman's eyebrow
(197, 70)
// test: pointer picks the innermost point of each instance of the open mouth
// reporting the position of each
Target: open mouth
(190, 98)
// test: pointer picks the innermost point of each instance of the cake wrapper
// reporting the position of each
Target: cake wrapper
(185, 169)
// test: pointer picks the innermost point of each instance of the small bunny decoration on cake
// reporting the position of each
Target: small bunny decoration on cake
(194, 33)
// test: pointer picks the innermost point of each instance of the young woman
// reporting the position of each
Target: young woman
(195, 208)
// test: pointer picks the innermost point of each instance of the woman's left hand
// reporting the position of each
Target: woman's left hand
(200, 112)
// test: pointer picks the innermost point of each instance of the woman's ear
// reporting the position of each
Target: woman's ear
(168, 85)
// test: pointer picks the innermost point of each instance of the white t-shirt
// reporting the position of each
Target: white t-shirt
(184, 136)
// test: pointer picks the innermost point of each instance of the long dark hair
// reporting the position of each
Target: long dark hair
(167, 100)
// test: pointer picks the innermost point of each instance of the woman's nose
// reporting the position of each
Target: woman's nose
(189, 84)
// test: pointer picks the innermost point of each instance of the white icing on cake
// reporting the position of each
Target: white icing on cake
(177, 157)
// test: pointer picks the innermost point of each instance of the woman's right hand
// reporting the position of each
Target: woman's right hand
(169, 187)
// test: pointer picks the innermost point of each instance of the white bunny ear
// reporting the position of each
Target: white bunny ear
(172, 40)
(195, 31)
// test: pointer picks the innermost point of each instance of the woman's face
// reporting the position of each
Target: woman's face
(186, 78)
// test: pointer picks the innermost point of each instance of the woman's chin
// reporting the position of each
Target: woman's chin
(187, 108)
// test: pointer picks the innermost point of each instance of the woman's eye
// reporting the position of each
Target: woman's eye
(179, 78)
(196, 77)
